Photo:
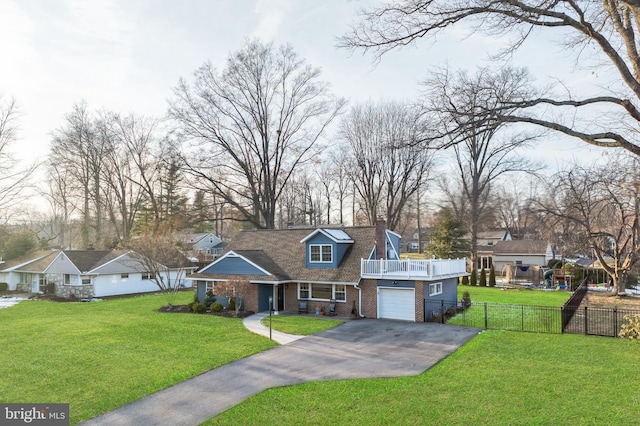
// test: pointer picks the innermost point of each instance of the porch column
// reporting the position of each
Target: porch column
(275, 299)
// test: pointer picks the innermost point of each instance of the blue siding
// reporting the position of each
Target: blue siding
(449, 290)
(396, 283)
(233, 265)
(395, 242)
(338, 251)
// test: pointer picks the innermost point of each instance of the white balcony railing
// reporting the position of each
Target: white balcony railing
(429, 269)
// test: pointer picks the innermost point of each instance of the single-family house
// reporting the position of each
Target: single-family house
(86, 273)
(358, 269)
(521, 253)
(486, 242)
(203, 246)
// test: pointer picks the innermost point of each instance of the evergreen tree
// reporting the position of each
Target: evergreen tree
(465, 280)
(448, 242)
(483, 278)
(473, 280)
(492, 277)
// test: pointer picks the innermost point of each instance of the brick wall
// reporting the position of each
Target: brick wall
(343, 309)
(369, 298)
(419, 301)
(251, 298)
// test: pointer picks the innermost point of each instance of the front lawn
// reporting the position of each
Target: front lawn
(302, 326)
(514, 296)
(498, 377)
(101, 355)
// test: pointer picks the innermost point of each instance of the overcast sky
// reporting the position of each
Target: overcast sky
(127, 55)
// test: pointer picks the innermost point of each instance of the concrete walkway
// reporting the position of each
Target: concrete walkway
(363, 348)
(254, 324)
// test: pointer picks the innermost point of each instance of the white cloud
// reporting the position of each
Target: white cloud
(271, 15)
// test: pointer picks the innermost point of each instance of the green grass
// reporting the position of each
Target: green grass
(514, 296)
(499, 377)
(302, 326)
(99, 356)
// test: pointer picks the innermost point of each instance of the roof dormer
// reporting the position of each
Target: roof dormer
(325, 248)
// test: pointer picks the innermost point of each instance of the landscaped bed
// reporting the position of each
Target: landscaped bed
(101, 355)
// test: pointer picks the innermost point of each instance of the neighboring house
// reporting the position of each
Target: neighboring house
(359, 268)
(486, 242)
(84, 273)
(204, 246)
(521, 253)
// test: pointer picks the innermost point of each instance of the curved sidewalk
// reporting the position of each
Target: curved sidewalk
(254, 325)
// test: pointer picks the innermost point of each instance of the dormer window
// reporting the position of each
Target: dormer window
(320, 253)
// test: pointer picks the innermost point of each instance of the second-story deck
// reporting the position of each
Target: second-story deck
(413, 269)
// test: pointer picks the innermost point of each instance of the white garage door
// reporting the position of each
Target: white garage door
(397, 303)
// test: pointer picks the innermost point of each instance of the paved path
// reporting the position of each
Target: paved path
(357, 349)
(254, 325)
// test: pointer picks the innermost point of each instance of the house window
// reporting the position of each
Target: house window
(124, 276)
(303, 291)
(70, 279)
(340, 292)
(210, 286)
(435, 289)
(485, 262)
(322, 292)
(321, 253)
(86, 280)
(148, 276)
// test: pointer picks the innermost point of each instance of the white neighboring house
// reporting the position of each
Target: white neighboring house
(85, 273)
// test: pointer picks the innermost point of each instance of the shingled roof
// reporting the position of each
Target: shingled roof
(282, 253)
(520, 247)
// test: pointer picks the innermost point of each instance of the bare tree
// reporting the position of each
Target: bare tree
(77, 149)
(158, 255)
(483, 148)
(14, 180)
(603, 204)
(596, 33)
(256, 121)
(390, 165)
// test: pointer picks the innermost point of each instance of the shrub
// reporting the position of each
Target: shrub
(50, 288)
(232, 304)
(195, 297)
(631, 328)
(216, 307)
(554, 263)
(191, 305)
(483, 278)
(209, 299)
(473, 280)
(465, 280)
(199, 308)
(492, 277)
(466, 300)
(4, 287)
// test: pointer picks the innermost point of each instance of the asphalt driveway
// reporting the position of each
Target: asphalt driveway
(357, 349)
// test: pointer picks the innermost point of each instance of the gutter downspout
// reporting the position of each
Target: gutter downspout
(359, 299)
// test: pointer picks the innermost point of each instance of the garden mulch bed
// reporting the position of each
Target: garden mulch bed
(184, 309)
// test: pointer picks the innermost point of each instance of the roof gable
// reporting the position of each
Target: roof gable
(336, 235)
(239, 264)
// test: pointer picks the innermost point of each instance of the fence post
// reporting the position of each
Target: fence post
(485, 315)
(615, 322)
(522, 318)
(562, 319)
(586, 323)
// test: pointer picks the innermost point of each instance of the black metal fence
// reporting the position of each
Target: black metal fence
(573, 304)
(535, 319)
